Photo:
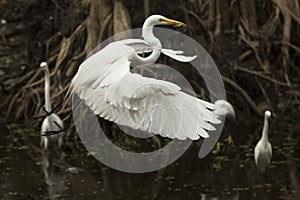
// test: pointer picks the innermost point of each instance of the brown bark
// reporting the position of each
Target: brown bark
(99, 12)
(225, 14)
(285, 9)
(121, 18)
(248, 13)
(211, 12)
(146, 8)
(218, 19)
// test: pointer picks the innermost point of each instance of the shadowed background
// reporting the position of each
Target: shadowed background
(254, 43)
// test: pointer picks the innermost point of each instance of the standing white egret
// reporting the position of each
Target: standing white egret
(263, 149)
(111, 91)
(51, 122)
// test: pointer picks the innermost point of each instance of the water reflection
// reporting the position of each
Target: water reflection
(229, 174)
(54, 169)
(234, 196)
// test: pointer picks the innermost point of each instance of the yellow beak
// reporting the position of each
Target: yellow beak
(173, 22)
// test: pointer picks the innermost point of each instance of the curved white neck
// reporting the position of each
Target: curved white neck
(154, 43)
(47, 89)
(265, 131)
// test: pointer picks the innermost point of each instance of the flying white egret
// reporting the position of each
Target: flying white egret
(111, 91)
(263, 149)
(51, 123)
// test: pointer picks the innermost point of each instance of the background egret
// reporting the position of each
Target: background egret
(107, 86)
(266, 25)
(263, 149)
(51, 123)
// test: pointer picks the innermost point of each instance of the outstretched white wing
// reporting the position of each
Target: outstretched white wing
(152, 105)
(114, 93)
(177, 55)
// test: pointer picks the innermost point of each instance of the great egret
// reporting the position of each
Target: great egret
(51, 122)
(111, 91)
(263, 149)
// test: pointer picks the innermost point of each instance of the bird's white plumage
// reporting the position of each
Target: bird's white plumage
(263, 155)
(268, 113)
(263, 149)
(223, 107)
(107, 86)
(51, 123)
(145, 103)
(141, 46)
(177, 55)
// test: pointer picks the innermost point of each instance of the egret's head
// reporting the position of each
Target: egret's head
(268, 114)
(161, 20)
(43, 65)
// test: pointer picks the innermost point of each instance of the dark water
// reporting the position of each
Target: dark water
(27, 172)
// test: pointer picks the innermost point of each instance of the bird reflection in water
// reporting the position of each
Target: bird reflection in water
(54, 172)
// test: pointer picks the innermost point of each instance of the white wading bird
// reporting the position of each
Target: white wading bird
(51, 123)
(263, 149)
(107, 86)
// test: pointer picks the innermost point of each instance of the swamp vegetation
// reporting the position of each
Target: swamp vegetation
(256, 47)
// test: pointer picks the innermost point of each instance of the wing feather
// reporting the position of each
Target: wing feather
(152, 105)
(177, 55)
(115, 94)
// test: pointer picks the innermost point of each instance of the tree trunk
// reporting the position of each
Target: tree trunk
(225, 14)
(248, 14)
(121, 18)
(97, 22)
